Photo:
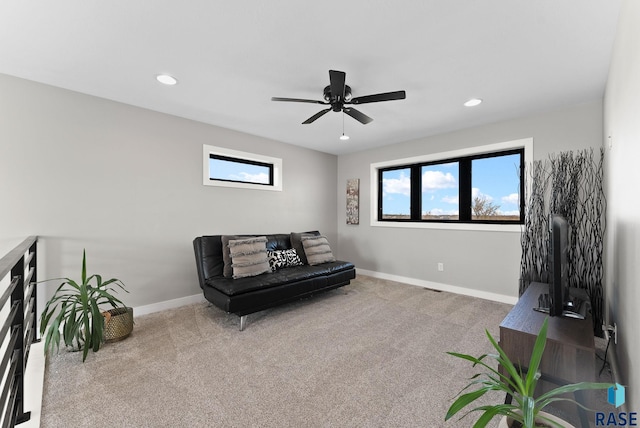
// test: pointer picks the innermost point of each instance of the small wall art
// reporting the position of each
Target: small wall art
(353, 196)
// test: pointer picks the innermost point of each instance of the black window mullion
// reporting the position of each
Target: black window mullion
(464, 192)
(416, 192)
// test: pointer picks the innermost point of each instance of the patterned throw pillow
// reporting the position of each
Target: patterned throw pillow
(279, 259)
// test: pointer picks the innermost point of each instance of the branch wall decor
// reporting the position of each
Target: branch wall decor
(569, 184)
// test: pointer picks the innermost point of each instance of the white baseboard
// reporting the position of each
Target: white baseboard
(511, 300)
(167, 304)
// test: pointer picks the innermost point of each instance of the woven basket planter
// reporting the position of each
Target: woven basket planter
(118, 324)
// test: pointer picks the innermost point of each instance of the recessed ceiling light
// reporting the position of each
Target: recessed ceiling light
(166, 79)
(473, 102)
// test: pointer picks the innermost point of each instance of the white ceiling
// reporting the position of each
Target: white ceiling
(231, 57)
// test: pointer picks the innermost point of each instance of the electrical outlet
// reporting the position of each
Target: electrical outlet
(440, 267)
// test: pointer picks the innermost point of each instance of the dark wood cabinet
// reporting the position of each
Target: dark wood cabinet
(569, 354)
(570, 351)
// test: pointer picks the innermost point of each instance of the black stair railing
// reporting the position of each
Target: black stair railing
(19, 328)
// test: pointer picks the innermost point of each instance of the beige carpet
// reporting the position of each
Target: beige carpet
(371, 354)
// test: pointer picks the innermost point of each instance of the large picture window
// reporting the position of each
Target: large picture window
(484, 187)
(232, 168)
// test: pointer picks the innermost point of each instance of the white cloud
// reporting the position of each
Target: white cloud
(476, 193)
(434, 180)
(400, 185)
(262, 177)
(512, 199)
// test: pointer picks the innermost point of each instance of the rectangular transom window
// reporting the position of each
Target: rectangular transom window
(232, 168)
(224, 168)
(460, 187)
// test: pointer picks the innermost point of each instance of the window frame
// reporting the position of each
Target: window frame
(214, 152)
(467, 155)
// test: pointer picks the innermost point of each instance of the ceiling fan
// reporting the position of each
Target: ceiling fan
(338, 96)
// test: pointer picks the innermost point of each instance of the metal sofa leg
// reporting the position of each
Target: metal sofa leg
(243, 320)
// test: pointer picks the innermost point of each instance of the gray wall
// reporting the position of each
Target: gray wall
(126, 184)
(621, 124)
(482, 261)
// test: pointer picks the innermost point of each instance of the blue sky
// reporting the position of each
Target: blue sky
(227, 170)
(494, 178)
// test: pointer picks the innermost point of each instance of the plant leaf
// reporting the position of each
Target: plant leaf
(84, 267)
(515, 377)
(551, 396)
(528, 409)
(491, 411)
(536, 356)
(464, 400)
(97, 324)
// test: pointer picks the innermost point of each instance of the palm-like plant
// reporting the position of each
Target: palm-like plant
(76, 306)
(526, 409)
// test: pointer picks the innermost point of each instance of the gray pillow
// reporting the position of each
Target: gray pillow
(249, 256)
(227, 270)
(317, 250)
(296, 243)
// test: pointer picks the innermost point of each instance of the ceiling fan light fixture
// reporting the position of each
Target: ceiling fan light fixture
(337, 95)
(166, 79)
(347, 93)
(473, 102)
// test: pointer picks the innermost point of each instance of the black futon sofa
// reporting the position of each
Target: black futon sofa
(246, 295)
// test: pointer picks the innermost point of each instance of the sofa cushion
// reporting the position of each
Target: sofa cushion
(249, 257)
(279, 259)
(209, 250)
(227, 270)
(278, 241)
(233, 287)
(296, 243)
(317, 250)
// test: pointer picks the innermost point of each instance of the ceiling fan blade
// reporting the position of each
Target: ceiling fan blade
(298, 100)
(357, 115)
(337, 79)
(387, 96)
(316, 116)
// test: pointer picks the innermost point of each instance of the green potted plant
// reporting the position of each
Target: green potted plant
(527, 410)
(75, 310)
